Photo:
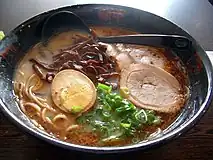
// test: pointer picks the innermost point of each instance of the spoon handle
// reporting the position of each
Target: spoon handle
(157, 40)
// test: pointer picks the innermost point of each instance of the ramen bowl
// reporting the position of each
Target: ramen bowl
(198, 66)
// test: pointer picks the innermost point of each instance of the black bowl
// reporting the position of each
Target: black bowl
(199, 68)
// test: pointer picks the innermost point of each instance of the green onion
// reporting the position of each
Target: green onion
(1, 35)
(124, 92)
(138, 115)
(125, 125)
(104, 87)
(76, 109)
(115, 115)
(106, 114)
(135, 140)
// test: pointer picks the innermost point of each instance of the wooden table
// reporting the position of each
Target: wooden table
(193, 15)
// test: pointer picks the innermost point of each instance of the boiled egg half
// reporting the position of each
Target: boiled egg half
(72, 91)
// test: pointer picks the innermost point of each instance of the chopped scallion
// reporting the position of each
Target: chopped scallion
(104, 87)
(115, 115)
(1, 35)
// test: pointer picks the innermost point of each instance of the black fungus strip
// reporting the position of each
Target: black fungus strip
(87, 56)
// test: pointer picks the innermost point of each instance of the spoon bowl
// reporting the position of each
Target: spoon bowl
(65, 20)
(62, 21)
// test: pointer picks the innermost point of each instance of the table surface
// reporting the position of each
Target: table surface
(195, 16)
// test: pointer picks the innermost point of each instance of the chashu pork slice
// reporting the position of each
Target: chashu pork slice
(152, 88)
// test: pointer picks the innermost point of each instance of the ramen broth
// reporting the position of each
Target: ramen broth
(36, 101)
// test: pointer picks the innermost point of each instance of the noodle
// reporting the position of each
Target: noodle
(28, 83)
(43, 114)
(72, 127)
(49, 120)
(44, 117)
(59, 116)
(41, 99)
(19, 88)
(53, 121)
(35, 123)
(34, 98)
(33, 105)
(21, 73)
(38, 85)
(22, 106)
(28, 92)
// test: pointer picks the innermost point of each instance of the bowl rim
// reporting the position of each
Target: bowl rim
(175, 133)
